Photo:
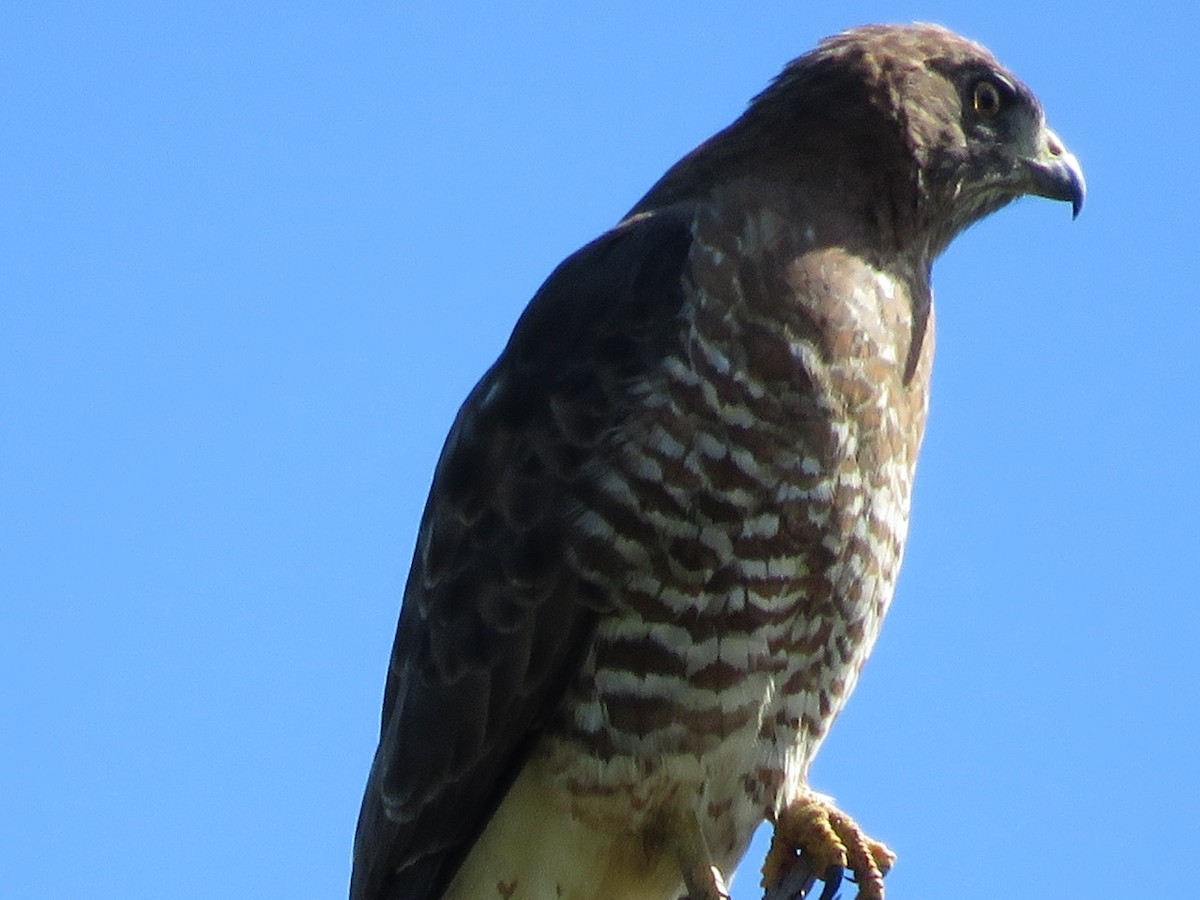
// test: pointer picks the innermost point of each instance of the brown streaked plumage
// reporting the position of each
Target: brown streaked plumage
(667, 523)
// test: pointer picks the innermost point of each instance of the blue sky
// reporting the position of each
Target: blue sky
(254, 256)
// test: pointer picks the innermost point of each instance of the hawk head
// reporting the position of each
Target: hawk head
(909, 127)
(977, 136)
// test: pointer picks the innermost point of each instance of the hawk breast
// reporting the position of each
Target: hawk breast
(749, 528)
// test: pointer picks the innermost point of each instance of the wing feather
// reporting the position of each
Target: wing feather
(493, 623)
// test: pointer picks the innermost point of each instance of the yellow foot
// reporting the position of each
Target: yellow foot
(829, 838)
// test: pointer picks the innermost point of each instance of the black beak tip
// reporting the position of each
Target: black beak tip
(1055, 173)
(1059, 179)
(1078, 189)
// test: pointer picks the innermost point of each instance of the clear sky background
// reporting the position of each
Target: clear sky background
(253, 256)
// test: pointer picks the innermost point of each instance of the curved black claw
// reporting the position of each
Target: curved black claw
(798, 882)
(833, 880)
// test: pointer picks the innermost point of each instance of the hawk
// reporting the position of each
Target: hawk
(667, 522)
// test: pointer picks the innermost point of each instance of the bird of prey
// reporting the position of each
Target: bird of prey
(667, 522)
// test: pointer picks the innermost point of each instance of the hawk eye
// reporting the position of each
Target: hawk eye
(987, 98)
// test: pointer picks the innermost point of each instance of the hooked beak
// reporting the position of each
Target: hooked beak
(1055, 173)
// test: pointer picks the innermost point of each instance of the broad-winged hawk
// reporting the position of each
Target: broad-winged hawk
(667, 523)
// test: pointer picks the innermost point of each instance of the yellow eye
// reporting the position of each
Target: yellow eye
(986, 99)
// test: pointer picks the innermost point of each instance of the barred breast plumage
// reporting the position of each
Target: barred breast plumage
(752, 525)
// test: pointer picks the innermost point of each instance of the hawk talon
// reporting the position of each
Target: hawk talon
(797, 882)
(833, 881)
(829, 841)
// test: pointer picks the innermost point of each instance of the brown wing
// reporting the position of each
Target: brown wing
(494, 624)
